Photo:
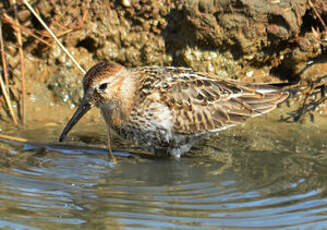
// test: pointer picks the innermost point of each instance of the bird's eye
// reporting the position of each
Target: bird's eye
(103, 86)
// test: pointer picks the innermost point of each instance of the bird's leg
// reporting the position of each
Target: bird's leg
(110, 154)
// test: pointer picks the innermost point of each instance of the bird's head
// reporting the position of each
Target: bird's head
(102, 85)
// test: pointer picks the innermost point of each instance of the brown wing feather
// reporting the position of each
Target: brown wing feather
(211, 105)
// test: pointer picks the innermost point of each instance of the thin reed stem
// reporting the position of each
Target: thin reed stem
(22, 63)
(4, 88)
(318, 15)
(54, 36)
(3, 57)
(7, 99)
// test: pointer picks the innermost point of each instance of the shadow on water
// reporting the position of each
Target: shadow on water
(263, 175)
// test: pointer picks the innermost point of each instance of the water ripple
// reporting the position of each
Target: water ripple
(76, 188)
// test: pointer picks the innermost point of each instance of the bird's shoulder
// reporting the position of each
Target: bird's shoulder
(175, 80)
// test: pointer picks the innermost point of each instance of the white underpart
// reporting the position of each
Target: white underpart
(163, 119)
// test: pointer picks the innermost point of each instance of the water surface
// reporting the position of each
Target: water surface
(264, 175)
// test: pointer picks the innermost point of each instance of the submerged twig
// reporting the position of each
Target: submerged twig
(54, 36)
(4, 88)
(10, 138)
(22, 63)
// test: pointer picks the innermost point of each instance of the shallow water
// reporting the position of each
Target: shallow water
(263, 175)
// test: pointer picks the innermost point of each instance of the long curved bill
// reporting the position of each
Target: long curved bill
(79, 113)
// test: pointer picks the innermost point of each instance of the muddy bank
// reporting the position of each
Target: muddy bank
(252, 40)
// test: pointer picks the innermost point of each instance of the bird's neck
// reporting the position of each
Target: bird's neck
(118, 111)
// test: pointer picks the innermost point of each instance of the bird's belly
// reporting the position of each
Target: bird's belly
(147, 137)
(157, 139)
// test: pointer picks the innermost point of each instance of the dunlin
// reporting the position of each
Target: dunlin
(165, 110)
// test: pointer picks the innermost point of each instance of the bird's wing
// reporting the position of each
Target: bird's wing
(202, 104)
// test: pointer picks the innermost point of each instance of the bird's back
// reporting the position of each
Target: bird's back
(198, 103)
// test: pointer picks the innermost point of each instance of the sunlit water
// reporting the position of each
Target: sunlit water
(247, 178)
